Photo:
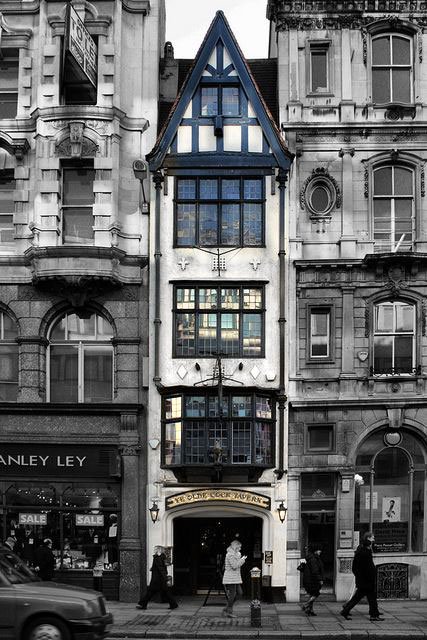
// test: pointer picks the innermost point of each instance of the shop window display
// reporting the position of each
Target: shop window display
(389, 496)
(83, 523)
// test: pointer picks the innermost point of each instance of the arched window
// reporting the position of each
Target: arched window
(390, 485)
(394, 338)
(8, 359)
(393, 208)
(392, 68)
(81, 359)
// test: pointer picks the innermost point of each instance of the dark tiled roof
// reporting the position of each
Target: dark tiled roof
(264, 72)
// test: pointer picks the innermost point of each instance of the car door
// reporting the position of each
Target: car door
(7, 610)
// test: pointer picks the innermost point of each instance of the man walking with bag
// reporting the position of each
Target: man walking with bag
(366, 579)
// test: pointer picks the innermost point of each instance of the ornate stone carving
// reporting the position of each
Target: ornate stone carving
(320, 179)
(398, 112)
(65, 149)
(365, 46)
(396, 280)
(366, 182)
(423, 183)
(129, 449)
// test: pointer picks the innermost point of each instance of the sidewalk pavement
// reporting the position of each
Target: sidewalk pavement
(402, 619)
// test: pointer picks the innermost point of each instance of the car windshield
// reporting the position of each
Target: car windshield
(14, 569)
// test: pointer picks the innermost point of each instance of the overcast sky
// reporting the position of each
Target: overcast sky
(188, 20)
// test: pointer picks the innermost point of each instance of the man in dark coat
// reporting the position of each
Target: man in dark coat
(45, 560)
(158, 582)
(366, 579)
(312, 579)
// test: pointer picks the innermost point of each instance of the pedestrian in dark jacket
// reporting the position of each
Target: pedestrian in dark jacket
(158, 582)
(45, 560)
(366, 579)
(312, 577)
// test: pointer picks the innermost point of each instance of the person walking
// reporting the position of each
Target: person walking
(158, 582)
(45, 560)
(366, 578)
(232, 578)
(312, 577)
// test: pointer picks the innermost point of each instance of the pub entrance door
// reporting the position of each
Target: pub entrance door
(200, 545)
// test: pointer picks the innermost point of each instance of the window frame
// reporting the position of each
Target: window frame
(218, 311)
(313, 309)
(8, 176)
(393, 334)
(220, 99)
(10, 54)
(220, 202)
(82, 345)
(206, 421)
(411, 66)
(87, 165)
(313, 47)
(10, 342)
(309, 428)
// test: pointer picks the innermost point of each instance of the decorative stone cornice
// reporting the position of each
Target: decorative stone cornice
(342, 14)
(137, 6)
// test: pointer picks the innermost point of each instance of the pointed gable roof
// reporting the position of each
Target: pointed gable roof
(220, 31)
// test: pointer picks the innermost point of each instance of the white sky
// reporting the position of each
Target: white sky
(187, 22)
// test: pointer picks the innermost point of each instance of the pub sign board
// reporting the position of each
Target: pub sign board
(43, 461)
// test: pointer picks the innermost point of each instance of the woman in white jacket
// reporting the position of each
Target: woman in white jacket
(232, 579)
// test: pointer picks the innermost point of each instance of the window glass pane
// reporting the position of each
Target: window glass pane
(315, 485)
(381, 85)
(319, 199)
(418, 511)
(263, 444)
(8, 105)
(230, 224)
(207, 333)
(208, 189)
(401, 50)
(230, 334)
(7, 187)
(80, 328)
(252, 189)
(10, 329)
(98, 374)
(383, 182)
(194, 443)
(252, 298)
(78, 186)
(252, 224)
(8, 372)
(230, 189)
(402, 181)
(252, 327)
(186, 189)
(58, 331)
(320, 438)
(319, 73)
(7, 229)
(381, 50)
(185, 298)
(186, 224)
(230, 298)
(218, 442)
(401, 85)
(78, 226)
(208, 224)
(103, 328)
(64, 373)
(403, 354)
(230, 101)
(185, 334)
(319, 323)
(209, 101)
(173, 407)
(208, 298)
(213, 406)
(241, 443)
(384, 318)
(173, 443)
(241, 406)
(383, 354)
(263, 407)
(404, 317)
(195, 406)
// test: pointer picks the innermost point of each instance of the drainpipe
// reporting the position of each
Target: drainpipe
(282, 178)
(158, 181)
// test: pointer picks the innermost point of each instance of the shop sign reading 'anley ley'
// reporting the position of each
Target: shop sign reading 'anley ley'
(54, 460)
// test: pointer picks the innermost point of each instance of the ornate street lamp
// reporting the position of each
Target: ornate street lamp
(281, 510)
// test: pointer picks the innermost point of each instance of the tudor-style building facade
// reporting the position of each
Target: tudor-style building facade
(216, 433)
(352, 96)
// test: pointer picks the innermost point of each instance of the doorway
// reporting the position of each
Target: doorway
(319, 527)
(200, 545)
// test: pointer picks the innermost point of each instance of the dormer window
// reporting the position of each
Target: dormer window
(392, 69)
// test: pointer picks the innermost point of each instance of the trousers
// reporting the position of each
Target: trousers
(358, 595)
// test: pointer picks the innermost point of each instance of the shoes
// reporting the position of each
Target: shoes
(376, 619)
(311, 613)
(345, 615)
(173, 606)
(141, 606)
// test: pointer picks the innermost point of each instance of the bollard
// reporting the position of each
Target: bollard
(255, 597)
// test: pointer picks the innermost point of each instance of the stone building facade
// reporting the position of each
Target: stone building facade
(78, 105)
(352, 98)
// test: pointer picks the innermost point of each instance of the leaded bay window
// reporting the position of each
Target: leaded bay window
(219, 212)
(219, 320)
(197, 433)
